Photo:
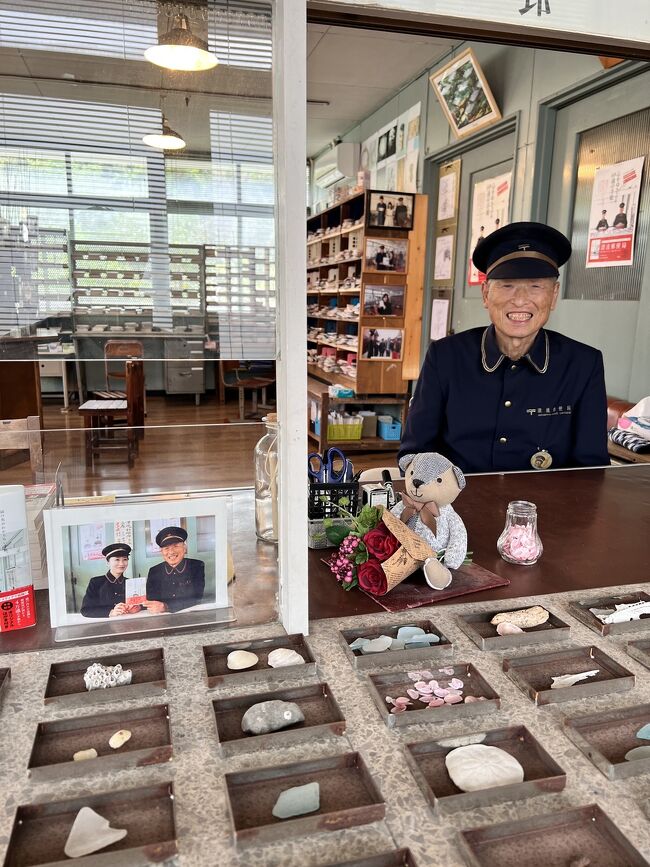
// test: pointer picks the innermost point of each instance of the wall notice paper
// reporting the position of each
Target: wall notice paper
(439, 317)
(490, 211)
(447, 196)
(17, 608)
(135, 590)
(391, 154)
(613, 215)
(92, 538)
(443, 267)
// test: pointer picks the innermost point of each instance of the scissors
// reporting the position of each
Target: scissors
(333, 466)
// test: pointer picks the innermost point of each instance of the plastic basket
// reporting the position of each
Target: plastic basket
(345, 431)
(317, 534)
(389, 430)
(324, 499)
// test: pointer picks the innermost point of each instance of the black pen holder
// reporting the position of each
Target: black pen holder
(326, 500)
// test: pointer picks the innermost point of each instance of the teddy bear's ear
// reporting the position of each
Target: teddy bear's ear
(460, 478)
(404, 462)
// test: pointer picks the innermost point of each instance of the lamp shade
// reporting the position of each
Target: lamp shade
(167, 140)
(181, 50)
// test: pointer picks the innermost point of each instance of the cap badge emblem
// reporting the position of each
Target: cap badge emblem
(524, 247)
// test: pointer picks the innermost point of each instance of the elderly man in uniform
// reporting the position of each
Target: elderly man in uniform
(179, 581)
(513, 395)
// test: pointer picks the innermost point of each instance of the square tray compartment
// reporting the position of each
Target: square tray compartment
(480, 630)
(541, 773)
(323, 718)
(581, 612)
(5, 678)
(56, 742)
(533, 674)
(65, 683)
(396, 684)
(640, 650)
(348, 797)
(396, 858)
(216, 671)
(40, 831)
(393, 657)
(555, 839)
(606, 737)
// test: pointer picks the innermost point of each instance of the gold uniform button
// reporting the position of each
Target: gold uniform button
(503, 439)
(508, 403)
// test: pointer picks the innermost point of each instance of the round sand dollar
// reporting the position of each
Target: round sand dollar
(476, 767)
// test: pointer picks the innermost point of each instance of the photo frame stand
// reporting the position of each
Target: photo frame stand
(139, 626)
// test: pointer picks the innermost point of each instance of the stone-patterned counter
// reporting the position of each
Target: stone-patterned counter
(197, 768)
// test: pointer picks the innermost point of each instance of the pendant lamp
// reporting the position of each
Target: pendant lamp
(180, 49)
(167, 140)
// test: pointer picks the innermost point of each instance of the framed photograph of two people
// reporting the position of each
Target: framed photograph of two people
(125, 566)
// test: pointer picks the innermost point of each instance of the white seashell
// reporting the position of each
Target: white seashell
(119, 739)
(505, 628)
(241, 659)
(284, 656)
(90, 832)
(565, 680)
(477, 767)
(82, 755)
(523, 617)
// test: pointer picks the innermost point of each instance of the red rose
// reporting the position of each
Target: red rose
(380, 542)
(372, 578)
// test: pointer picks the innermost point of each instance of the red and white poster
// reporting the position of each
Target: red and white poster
(613, 216)
(17, 608)
(490, 211)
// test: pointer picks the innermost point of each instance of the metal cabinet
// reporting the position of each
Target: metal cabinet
(185, 367)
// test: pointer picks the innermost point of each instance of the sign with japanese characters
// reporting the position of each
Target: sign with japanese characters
(490, 211)
(613, 215)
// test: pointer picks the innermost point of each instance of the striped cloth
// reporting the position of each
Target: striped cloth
(628, 440)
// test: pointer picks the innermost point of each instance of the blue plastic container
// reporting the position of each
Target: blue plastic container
(389, 430)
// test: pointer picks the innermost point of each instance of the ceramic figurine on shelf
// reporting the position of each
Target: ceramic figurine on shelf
(432, 485)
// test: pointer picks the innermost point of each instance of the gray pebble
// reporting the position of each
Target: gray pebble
(271, 716)
(297, 801)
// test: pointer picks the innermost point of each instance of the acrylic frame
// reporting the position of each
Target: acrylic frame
(372, 198)
(446, 86)
(383, 335)
(57, 521)
(371, 249)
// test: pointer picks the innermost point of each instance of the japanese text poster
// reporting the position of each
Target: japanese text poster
(613, 215)
(490, 211)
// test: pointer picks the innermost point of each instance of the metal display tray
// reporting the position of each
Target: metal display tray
(56, 742)
(640, 650)
(581, 612)
(393, 657)
(396, 858)
(554, 839)
(323, 718)
(532, 674)
(606, 737)
(65, 682)
(484, 635)
(348, 797)
(395, 684)
(542, 774)
(217, 672)
(5, 678)
(40, 831)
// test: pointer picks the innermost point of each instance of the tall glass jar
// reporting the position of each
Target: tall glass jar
(266, 482)
(519, 542)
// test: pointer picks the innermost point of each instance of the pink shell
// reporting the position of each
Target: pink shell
(398, 709)
(470, 698)
(436, 702)
(413, 693)
(441, 692)
(506, 628)
(390, 700)
(455, 683)
(402, 700)
(448, 671)
(425, 690)
(453, 699)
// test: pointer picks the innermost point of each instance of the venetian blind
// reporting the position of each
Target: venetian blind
(240, 33)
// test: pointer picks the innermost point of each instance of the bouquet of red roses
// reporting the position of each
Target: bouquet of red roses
(363, 546)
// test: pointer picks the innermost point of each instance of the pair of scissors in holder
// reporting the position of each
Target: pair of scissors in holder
(331, 467)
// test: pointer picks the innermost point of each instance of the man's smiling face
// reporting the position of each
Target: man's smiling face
(519, 308)
(173, 554)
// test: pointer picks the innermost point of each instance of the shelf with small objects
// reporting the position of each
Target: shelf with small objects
(364, 314)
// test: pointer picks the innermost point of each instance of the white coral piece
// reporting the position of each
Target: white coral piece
(100, 676)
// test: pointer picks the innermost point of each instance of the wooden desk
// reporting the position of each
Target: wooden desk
(594, 525)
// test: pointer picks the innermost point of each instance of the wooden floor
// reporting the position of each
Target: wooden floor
(185, 447)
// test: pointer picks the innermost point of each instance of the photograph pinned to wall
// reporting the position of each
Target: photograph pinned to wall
(439, 318)
(402, 123)
(465, 95)
(413, 128)
(387, 142)
(399, 180)
(92, 540)
(385, 254)
(382, 344)
(133, 587)
(448, 191)
(613, 214)
(490, 211)
(411, 172)
(379, 181)
(381, 300)
(443, 269)
(388, 209)
(391, 174)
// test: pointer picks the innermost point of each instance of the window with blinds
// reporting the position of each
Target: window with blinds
(91, 218)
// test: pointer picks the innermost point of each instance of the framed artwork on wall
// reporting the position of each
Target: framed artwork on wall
(465, 95)
(385, 254)
(382, 300)
(382, 344)
(389, 210)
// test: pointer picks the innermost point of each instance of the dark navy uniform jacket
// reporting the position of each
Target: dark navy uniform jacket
(102, 595)
(178, 588)
(488, 413)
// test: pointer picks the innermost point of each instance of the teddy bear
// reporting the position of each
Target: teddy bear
(432, 485)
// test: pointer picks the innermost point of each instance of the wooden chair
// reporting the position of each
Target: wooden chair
(251, 377)
(24, 433)
(122, 351)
